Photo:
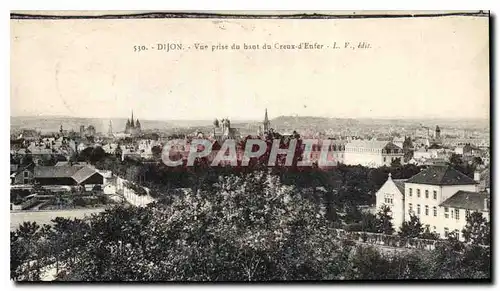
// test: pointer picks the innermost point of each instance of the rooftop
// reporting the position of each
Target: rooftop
(441, 175)
(467, 200)
(76, 172)
(400, 183)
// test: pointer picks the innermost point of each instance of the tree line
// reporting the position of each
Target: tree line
(251, 227)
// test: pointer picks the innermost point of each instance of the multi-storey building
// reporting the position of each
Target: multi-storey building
(440, 196)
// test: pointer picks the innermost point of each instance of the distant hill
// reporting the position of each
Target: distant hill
(300, 122)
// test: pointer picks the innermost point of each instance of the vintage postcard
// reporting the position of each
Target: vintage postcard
(250, 146)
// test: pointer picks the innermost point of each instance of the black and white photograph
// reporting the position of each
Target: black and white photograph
(243, 147)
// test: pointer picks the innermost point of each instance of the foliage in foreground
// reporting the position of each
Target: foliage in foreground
(241, 228)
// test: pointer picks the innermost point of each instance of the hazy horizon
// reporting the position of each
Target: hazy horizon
(253, 120)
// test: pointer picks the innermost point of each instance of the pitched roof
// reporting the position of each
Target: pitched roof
(83, 174)
(467, 200)
(76, 172)
(441, 175)
(400, 183)
(55, 172)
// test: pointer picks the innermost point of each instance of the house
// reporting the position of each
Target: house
(439, 195)
(22, 175)
(391, 194)
(372, 153)
(67, 175)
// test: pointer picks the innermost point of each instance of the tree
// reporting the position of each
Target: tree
(118, 151)
(92, 154)
(156, 151)
(396, 163)
(457, 162)
(384, 220)
(477, 161)
(427, 234)
(412, 228)
(28, 251)
(477, 229)
(369, 222)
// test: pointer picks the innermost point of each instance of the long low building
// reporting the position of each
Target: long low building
(372, 153)
(67, 175)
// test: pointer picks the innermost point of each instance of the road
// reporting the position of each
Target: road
(45, 216)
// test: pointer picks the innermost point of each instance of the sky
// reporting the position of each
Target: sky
(415, 68)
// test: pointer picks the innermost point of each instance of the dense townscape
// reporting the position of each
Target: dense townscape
(405, 201)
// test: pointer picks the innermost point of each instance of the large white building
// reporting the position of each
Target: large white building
(440, 196)
(372, 153)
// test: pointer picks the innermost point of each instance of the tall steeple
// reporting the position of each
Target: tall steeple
(132, 119)
(110, 129)
(266, 122)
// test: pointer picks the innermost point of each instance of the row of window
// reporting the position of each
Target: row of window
(456, 213)
(410, 209)
(434, 193)
(388, 201)
(447, 212)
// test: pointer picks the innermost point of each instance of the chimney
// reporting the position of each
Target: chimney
(477, 176)
(486, 208)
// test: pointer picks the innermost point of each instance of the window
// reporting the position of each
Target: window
(384, 159)
(435, 195)
(426, 210)
(451, 211)
(410, 208)
(457, 214)
(418, 209)
(446, 230)
(418, 193)
(25, 174)
(446, 214)
(435, 210)
(411, 192)
(426, 194)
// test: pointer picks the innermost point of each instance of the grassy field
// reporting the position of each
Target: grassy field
(45, 217)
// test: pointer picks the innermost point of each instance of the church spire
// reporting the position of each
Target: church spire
(132, 119)
(266, 122)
